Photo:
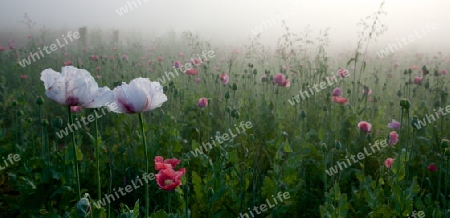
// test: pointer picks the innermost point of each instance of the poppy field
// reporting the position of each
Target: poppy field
(177, 126)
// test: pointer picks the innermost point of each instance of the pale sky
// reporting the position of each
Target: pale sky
(232, 21)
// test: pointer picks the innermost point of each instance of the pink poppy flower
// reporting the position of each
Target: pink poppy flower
(285, 83)
(388, 162)
(168, 179)
(2, 48)
(432, 167)
(197, 80)
(343, 73)
(11, 45)
(75, 109)
(365, 126)
(336, 92)
(181, 54)
(94, 57)
(124, 57)
(192, 72)
(394, 125)
(202, 102)
(413, 67)
(368, 92)
(224, 78)
(339, 100)
(196, 62)
(417, 80)
(393, 138)
(177, 64)
(443, 72)
(160, 59)
(279, 78)
(161, 164)
(23, 76)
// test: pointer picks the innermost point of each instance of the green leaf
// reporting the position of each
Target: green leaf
(269, 187)
(159, 214)
(287, 147)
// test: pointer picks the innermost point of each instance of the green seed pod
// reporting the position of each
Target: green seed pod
(19, 113)
(445, 143)
(39, 100)
(14, 103)
(414, 122)
(227, 95)
(405, 103)
(303, 114)
(447, 152)
(44, 122)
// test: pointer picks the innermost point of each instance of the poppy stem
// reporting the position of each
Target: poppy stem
(144, 141)
(75, 161)
(97, 156)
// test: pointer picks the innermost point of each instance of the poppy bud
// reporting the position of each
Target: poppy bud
(405, 103)
(57, 122)
(414, 122)
(14, 103)
(39, 100)
(83, 206)
(234, 86)
(445, 143)
(44, 122)
(303, 114)
(447, 152)
(255, 72)
(19, 113)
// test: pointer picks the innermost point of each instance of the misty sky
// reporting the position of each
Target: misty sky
(231, 21)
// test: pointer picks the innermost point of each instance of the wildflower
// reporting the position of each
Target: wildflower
(365, 126)
(74, 87)
(75, 109)
(432, 167)
(279, 78)
(168, 179)
(336, 92)
(343, 73)
(202, 102)
(139, 96)
(388, 162)
(339, 100)
(192, 72)
(417, 80)
(393, 138)
(177, 64)
(224, 78)
(394, 125)
(161, 164)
